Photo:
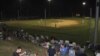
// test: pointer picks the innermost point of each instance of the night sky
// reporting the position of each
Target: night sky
(35, 8)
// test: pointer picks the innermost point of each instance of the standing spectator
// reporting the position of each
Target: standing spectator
(71, 52)
(63, 50)
(52, 41)
(80, 51)
(51, 51)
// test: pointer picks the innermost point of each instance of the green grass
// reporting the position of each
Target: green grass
(8, 47)
(79, 33)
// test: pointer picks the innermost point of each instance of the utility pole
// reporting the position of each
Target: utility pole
(1, 15)
(90, 24)
(18, 14)
(45, 13)
(96, 22)
(19, 9)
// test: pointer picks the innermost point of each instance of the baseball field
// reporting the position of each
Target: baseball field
(79, 30)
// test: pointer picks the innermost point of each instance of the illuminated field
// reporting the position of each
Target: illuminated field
(67, 28)
(64, 23)
(71, 29)
(53, 23)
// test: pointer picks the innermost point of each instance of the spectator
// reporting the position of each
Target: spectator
(67, 42)
(97, 50)
(18, 52)
(47, 44)
(97, 47)
(46, 38)
(42, 37)
(37, 38)
(63, 50)
(97, 53)
(51, 51)
(61, 42)
(52, 41)
(71, 52)
(81, 51)
(1, 35)
(74, 44)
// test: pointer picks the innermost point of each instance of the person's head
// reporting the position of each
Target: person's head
(19, 50)
(67, 41)
(53, 47)
(62, 46)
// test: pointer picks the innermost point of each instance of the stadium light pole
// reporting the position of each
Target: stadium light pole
(96, 22)
(1, 14)
(19, 10)
(45, 11)
(84, 4)
(90, 24)
(49, 1)
(49, 7)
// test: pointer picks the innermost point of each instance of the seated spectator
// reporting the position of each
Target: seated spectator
(1, 35)
(37, 38)
(47, 44)
(46, 38)
(97, 53)
(9, 38)
(91, 46)
(42, 37)
(87, 44)
(97, 47)
(18, 52)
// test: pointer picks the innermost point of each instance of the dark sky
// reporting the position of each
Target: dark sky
(35, 8)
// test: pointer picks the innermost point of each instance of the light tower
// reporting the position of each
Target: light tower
(96, 22)
(19, 9)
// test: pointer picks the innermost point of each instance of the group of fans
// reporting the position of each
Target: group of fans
(64, 48)
(53, 46)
